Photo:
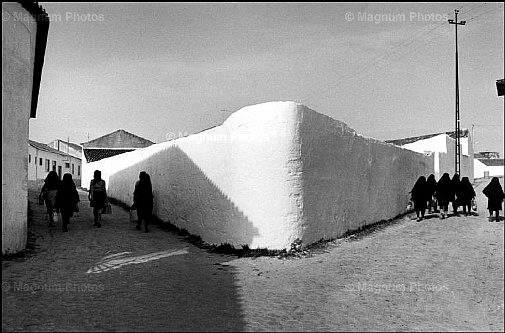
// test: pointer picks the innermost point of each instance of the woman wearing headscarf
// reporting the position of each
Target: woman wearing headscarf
(143, 200)
(455, 193)
(67, 199)
(443, 194)
(97, 196)
(48, 194)
(419, 197)
(431, 185)
(467, 193)
(494, 193)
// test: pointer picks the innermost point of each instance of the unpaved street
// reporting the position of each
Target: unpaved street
(430, 275)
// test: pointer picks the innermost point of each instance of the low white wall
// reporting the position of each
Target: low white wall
(271, 173)
(349, 180)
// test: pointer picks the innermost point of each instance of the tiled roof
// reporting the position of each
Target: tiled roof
(44, 147)
(402, 142)
(93, 155)
(492, 161)
(73, 145)
(118, 139)
(486, 154)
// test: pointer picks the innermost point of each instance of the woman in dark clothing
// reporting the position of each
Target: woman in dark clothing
(419, 197)
(67, 199)
(143, 200)
(48, 194)
(467, 193)
(494, 193)
(97, 196)
(443, 194)
(431, 185)
(455, 193)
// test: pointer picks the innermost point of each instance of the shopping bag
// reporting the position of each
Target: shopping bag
(107, 209)
(474, 204)
(133, 215)
(410, 205)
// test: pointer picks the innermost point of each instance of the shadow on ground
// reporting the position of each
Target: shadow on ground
(47, 288)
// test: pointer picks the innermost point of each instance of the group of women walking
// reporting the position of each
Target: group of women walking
(62, 196)
(436, 196)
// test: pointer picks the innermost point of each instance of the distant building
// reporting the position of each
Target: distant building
(42, 158)
(24, 36)
(442, 146)
(69, 148)
(487, 154)
(488, 164)
(112, 144)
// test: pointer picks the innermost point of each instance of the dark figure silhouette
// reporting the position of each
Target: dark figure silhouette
(431, 185)
(419, 197)
(143, 200)
(443, 194)
(48, 194)
(467, 193)
(455, 193)
(67, 199)
(494, 193)
(97, 196)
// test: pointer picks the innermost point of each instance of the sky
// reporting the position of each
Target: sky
(164, 70)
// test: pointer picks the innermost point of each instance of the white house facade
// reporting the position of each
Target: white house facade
(442, 146)
(42, 159)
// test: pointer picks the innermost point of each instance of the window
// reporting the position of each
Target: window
(78, 170)
(48, 164)
(54, 165)
(72, 168)
(67, 165)
(29, 158)
(40, 160)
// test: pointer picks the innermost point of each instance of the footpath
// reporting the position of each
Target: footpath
(436, 275)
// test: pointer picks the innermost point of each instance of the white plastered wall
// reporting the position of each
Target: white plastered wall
(270, 174)
(18, 49)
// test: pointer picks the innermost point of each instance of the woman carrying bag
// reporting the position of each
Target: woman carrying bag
(97, 196)
(143, 200)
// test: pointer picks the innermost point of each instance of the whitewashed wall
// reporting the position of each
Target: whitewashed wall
(480, 168)
(271, 173)
(349, 180)
(18, 49)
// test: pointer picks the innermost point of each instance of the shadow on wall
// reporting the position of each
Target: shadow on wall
(192, 291)
(185, 197)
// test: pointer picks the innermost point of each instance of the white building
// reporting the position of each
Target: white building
(112, 144)
(66, 147)
(442, 146)
(42, 159)
(24, 35)
(488, 167)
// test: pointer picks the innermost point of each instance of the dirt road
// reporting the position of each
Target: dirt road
(430, 275)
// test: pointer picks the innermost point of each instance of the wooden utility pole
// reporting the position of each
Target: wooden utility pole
(458, 145)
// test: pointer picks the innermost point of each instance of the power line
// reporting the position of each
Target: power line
(485, 12)
(474, 8)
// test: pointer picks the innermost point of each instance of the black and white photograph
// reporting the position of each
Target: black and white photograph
(253, 166)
